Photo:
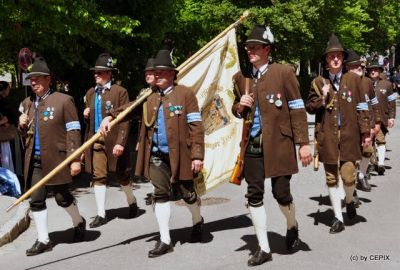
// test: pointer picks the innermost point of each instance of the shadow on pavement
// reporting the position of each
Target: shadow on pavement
(122, 213)
(67, 236)
(322, 200)
(95, 250)
(327, 216)
(177, 235)
(276, 241)
(183, 235)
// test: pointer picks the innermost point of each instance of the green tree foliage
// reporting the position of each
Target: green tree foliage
(70, 34)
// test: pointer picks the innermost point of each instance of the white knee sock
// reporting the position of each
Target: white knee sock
(163, 213)
(100, 195)
(130, 198)
(334, 195)
(195, 211)
(381, 154)
(349, 193)
(40, 218)
(364, 165)
(341, 193)
(289, 212)
(259, 218)
(73, 211)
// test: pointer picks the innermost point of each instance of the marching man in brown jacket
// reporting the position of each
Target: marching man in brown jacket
(342, 125)
(353, 64)
(107, 154)
(51, 129)
(279, 122)
(171, 149)
(387, 105)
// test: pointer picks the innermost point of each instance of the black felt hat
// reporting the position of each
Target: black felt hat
(103, 63)
(374, 64)
(353, 58)
(334, 45)
(261, 34)
(163, 60)
(149, 64)
(38, 68)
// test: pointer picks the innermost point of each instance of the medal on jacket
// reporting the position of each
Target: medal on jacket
(48, 113)
(271, 98)
(109, 107)
(178, 109)
(171, 109)
(278, 102)
(349, 97)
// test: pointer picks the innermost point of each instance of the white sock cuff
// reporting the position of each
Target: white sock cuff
(40, 218)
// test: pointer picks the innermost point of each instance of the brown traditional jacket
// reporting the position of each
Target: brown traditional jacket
(387, 100)
(339, 140)
(111, 99)
(185, 138)
(282, 126)
(58, 131)
(370, 97)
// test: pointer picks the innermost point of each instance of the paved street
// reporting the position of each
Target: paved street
(371, 241)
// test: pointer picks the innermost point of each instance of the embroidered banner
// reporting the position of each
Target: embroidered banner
(209, 75)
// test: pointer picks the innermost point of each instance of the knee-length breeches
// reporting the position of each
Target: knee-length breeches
(347, 171)
(160, 177)
(255, 178)
(62, 195)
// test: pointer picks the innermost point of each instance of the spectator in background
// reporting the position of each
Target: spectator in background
(8, 131)
(9, 183)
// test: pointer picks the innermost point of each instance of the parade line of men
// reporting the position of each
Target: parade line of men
(352, 108)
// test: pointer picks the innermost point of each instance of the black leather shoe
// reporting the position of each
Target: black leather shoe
(160, 249)
(259, 257)
(337, 226)
(80, 231)
(98, 221)
(38, 248)
(362, 184)
(292, 238)
(197, 232)
(351, 210)
(133, 210)
(381, 169)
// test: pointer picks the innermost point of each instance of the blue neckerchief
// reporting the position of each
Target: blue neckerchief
(37, 143)
(98, 115)
(160, 142)
(256, 127)
(98, 112)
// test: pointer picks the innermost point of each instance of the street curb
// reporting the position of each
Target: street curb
(16, 225)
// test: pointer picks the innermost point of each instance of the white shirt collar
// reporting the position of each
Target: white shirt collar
(167, 90)
(261, 70)
(107, 86)
(338, 75)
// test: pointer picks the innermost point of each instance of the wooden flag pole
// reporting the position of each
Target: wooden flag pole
(144, 94)
(147, 92)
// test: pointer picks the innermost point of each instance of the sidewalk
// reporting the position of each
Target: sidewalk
(14, 222)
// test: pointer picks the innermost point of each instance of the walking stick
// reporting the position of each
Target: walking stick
(144, 94)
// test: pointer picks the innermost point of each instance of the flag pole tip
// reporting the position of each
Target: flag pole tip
(245, 14)
(10, 207)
